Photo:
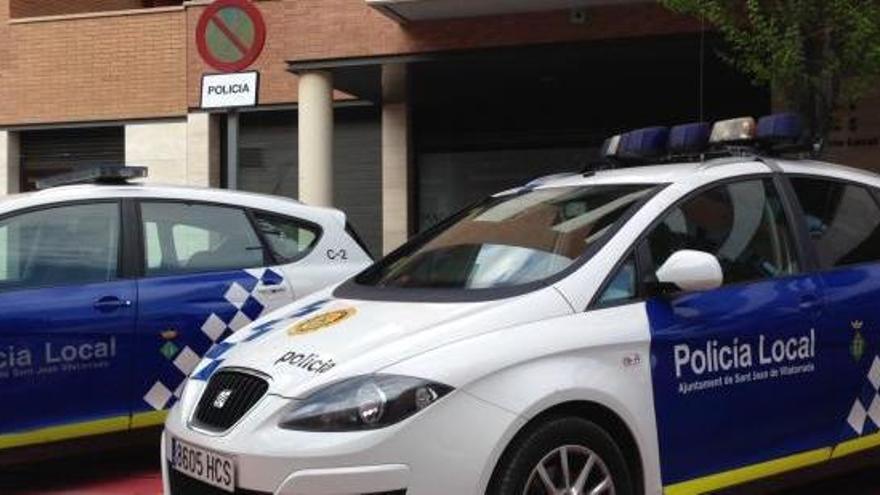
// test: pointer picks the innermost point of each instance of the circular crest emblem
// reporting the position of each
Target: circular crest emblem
(323, 320)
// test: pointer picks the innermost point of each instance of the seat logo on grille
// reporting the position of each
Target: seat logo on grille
(222, 398)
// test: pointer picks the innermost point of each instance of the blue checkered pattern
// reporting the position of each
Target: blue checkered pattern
(215, 356)
(245, 303)
(864, 416)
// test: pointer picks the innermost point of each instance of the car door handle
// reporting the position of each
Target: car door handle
(111, 303)
(811, 302)
(272, 289)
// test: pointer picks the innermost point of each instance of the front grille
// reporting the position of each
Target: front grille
(228, 396)
(181, 484)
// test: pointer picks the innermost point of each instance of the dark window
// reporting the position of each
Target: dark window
(843, 221)
(67, 245)
(189, 238)
(289, 239)
(743, 224)
(622, 287)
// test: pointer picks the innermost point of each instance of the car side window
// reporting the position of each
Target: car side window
(288, 238)
(184, 238)
(65, 245)
(622, 287)
(742, 223)
(843, 221)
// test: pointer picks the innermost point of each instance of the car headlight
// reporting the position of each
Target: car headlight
(363, 403)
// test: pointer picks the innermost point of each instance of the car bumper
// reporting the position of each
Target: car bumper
(449, 448)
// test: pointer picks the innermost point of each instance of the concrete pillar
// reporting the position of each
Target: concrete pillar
(161, 147)
(10, 162)
(203, 149)
(395, 157)
(316, 138)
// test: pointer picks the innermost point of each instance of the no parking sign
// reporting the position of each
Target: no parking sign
(230, 35)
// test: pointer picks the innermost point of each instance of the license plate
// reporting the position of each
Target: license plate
(204, 465)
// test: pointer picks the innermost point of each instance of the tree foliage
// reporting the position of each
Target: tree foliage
(816, 54)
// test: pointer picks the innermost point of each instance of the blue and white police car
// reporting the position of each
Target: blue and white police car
(675, 328)
(111, 293)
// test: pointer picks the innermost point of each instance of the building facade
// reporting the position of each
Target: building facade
(400, 112)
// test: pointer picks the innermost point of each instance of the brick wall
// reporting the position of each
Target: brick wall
(8, 105)
(145, 64)
(93, 68)
(326, 29)
(856, 142)
(318, 29)
(35, 8)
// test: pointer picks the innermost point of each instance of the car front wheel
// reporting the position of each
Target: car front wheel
(564, 456)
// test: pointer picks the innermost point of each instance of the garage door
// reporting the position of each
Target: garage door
(50, 152)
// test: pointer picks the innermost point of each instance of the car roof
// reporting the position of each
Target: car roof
(678, 172)
(81, 192)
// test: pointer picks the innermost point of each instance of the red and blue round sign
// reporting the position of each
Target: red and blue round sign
(230, 35)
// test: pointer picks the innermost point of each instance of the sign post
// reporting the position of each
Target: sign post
(230, 36)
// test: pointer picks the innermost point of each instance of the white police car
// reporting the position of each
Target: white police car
(662, 329)
(111, 293)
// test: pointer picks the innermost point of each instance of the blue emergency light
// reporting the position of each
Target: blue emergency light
(642, 144)
(101, 174)
(780, 129)
(688, 139)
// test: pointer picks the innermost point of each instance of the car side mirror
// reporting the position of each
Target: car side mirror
(690, 271)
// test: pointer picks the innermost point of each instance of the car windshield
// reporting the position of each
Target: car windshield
(508, 240)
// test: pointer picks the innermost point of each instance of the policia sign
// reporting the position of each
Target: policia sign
(230, 90)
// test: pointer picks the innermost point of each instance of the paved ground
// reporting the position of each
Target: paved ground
(126, 471)
(135, 471)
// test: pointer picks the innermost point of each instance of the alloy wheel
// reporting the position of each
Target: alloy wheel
(570, 470)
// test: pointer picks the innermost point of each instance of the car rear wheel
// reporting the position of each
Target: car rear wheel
(563, 456)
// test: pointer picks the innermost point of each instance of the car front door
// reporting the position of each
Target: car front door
(66, 324)
(741, 373)
(206, 274)
(843, 224)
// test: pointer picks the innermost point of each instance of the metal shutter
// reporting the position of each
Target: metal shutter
(50, 152)
(268, 163)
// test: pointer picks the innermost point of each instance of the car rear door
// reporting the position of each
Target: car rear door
(206, 273)
(67, 314)
(842, 220)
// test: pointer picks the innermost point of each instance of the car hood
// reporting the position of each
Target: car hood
(322, 339)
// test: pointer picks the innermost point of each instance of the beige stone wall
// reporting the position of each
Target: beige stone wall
(177, 152)
(396, 155)
(161, 147)
(203, 149)
(9, 163)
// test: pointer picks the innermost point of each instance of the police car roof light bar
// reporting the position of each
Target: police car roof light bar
(733, 131)
(689, 139)
(780, 128)
(643, 144)
(610, 147)
(101, 174)
(783, 133)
